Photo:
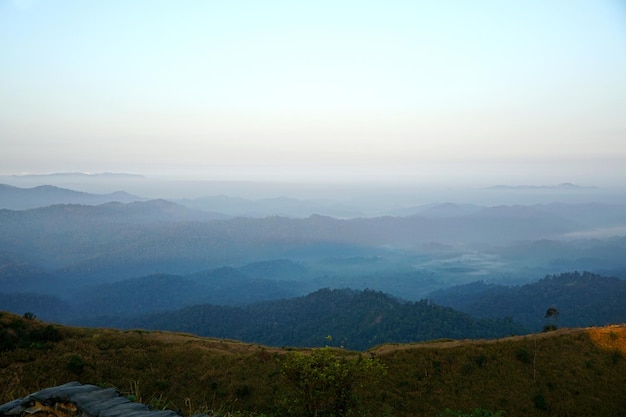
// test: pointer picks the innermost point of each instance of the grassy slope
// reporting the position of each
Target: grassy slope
(570, 372)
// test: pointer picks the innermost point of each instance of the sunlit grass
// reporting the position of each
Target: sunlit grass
(612, 338)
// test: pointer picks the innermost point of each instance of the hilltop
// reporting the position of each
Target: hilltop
(356, 320)
(565, 372)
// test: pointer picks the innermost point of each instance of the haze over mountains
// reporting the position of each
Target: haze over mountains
(16, 198)
(120, 259)
(362, 192)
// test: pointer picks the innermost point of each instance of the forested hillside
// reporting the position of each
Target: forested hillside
(352, 319)
(225, 303)
(223, 286)
(157, 264)
(583, 299)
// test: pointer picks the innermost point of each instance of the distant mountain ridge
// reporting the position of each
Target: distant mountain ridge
(437, 210)
(562, 186)
(16, 198)
(158, 236)
(23, 288)
(117, 175)
(278, 206)
(224, 286)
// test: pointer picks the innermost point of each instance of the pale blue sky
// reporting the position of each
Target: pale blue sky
(457, 88)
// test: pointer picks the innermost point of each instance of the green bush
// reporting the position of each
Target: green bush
(76, 364)
(19, 333)
(540, 402)
(523, 356)
(324, 381)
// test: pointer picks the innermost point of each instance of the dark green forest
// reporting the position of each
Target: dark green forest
(583, 299)
(360, 319)
(356, 320)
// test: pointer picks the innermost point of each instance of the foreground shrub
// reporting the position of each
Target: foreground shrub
(324, 381)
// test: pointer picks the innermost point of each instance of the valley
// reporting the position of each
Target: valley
(98, 261)
(447, 297)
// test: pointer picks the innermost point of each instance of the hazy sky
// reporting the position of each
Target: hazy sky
(527, 90)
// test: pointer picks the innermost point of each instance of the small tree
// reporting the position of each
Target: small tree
(324, 381)
(552, 313)
(29, 316)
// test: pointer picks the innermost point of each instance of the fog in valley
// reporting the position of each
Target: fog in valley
(98, 249)
(191, 165)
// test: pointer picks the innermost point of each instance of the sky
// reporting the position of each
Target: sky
(496, 91)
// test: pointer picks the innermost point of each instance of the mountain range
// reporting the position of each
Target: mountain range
(16, 198)
(225, 303)
(156, 263)
(115, 240)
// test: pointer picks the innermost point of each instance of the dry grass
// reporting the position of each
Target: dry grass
(569, 372)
